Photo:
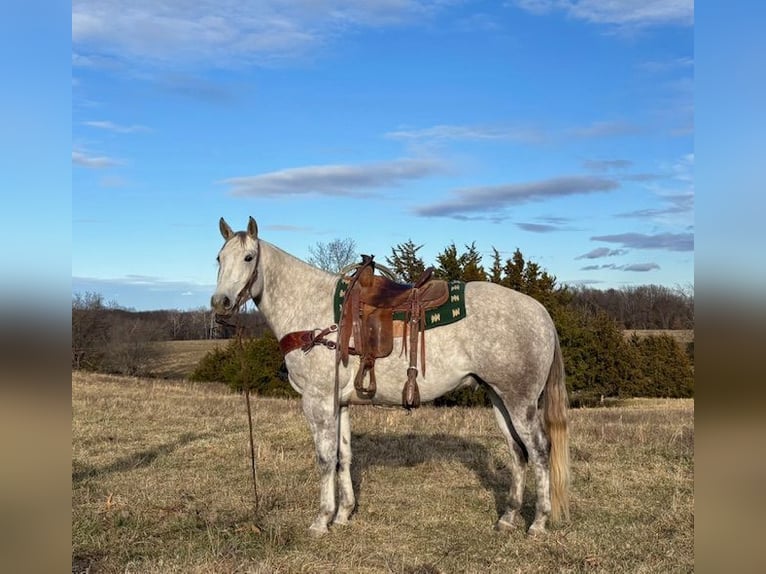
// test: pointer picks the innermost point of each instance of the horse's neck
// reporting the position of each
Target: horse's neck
(295, 295)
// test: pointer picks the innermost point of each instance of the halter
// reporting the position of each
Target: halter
(244, 292)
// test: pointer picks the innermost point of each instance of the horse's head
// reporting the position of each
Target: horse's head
(238, 269)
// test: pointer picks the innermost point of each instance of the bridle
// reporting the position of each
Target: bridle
(243, 294)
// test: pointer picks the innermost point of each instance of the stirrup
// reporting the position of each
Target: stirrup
(410, 392)
(369, 392)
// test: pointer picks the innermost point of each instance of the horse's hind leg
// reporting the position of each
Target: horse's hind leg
(518, 467)
(530, 429)
(345, 486)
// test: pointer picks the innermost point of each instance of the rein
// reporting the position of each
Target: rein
(242, 296)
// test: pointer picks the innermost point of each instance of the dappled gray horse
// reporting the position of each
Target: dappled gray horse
(506, 342)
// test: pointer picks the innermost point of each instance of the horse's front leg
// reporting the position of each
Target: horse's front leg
(318, 410)
(345, 484)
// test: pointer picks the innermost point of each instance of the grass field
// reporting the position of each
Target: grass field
(683, 336)
(178, 359)
(160, 483)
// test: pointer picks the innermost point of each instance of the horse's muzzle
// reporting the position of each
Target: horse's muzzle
(222, 305)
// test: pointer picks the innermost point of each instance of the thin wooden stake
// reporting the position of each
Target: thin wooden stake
(252, 447)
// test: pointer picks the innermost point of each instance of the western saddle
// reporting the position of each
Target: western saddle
(367, 313)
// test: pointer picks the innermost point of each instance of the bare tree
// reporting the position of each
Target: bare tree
(333, 256)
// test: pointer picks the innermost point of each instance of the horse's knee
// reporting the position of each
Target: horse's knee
(326, 462)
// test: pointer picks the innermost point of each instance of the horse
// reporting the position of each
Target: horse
(506, 342)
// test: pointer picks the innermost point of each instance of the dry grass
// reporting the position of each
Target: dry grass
(160, 483)
(178, 359)
(683, 336)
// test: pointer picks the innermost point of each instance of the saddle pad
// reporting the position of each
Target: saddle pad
(452, 311)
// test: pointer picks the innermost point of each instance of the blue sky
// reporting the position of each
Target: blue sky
(564, 128)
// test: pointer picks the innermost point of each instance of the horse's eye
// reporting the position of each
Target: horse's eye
(218, 259)
(248, 258)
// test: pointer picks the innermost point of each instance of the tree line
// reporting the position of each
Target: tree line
(109, 338)
(600, 360)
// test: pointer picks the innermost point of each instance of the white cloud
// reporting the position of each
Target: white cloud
(333, 180)
(441, 133)
(226, 32)
(624, 13)
(111, 126)
(92, 161)
(492, 198)
(669, 65)
(664, 241)
(602, 129)
(606, 164)
(600, 252)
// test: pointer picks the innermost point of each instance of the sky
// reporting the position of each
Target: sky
(563, 128)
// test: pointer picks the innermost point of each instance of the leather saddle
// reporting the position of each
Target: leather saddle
(367, 314)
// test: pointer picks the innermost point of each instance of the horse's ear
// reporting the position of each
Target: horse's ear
(225, 229)
(252, 228)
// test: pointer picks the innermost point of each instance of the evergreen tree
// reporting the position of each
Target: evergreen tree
(405, 262)
(664, 369)
(256, 364)
(496, 272)
(471, 263)
(514, 272)
(460, 267)
(449, 266)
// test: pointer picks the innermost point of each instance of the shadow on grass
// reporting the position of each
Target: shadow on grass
(137, 459)
(407, 450)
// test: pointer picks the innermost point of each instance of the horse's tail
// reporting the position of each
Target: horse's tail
(555, 415)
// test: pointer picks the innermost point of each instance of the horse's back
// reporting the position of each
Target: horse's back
(499, 307)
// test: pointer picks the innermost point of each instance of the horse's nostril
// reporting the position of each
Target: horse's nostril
(226, 302)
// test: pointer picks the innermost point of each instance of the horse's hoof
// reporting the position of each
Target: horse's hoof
(318, 531)
(535, 531)
(341, 520)
(504, 526)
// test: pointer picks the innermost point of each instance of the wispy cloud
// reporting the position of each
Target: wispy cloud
(665, 241)
(641, 267)
(84, 159)
(669, 65)
(538, 227)
(606, 164)
(636, 267)
(640, 177)
(673, 204)
(601, 252)
(197, 88)
(222, 33)
(444, 133)
(625, 13)
(144, 281)
(491, 199)
(333, 180)
(146, 291)
(112, 127)
(603, 129)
